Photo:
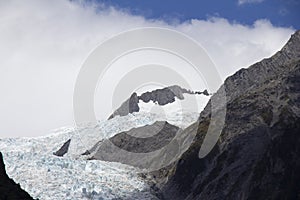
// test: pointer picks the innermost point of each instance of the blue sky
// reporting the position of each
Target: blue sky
(278, 12)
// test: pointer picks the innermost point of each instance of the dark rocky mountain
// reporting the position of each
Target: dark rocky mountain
(9, 190)
(258, 154)
(160, 96)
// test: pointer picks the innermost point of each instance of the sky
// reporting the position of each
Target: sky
(44, 44)
(278, 12)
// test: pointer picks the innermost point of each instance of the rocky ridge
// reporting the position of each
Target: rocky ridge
(257, 154)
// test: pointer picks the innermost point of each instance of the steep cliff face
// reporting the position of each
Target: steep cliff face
(257, 154)
(8, 188)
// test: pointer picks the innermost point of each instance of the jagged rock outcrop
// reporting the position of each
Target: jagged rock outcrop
(64, 149)
(165, 95)
(9, 190)
(257, 154)
(160, 96)
(129, 106)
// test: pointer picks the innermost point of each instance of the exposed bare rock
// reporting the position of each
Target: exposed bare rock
(257, 155)
(129, 106)
(64, 149)
(144, 139)
(132, 141)
(165, 95)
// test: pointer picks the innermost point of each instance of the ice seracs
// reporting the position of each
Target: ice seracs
(30, 162)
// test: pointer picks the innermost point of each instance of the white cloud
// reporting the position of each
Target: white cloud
(241, 2)
(44, 43)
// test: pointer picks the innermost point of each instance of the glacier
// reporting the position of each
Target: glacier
(31, 163)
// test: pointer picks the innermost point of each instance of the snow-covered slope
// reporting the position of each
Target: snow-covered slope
(30, 161)
(172, 98)
(84, 138)
(179, 111)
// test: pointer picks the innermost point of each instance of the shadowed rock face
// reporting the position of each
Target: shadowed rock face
(63, 150)
(9, 190)
(158, 138)
(257, 155)
(144, 139)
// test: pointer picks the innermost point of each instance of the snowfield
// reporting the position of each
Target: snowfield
(31, 163)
